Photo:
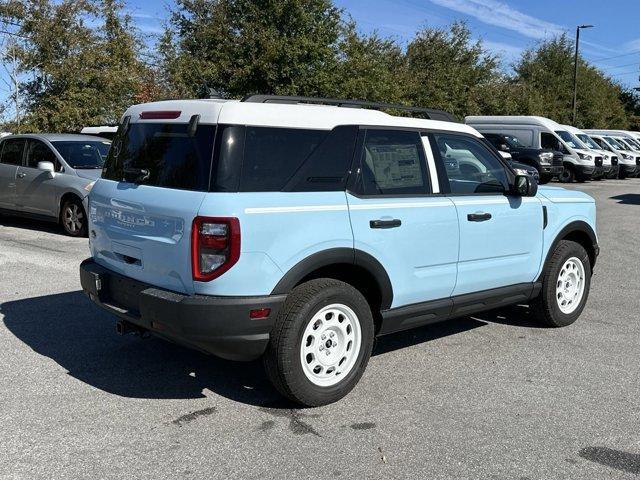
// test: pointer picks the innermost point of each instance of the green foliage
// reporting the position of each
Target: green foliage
(237, 47)
(447, 70)
(548, 70)
(76, 75)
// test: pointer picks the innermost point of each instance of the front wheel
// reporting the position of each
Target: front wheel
(568, 175)
(73, 218)
(321, 342)
(565, 286)
(544, 178)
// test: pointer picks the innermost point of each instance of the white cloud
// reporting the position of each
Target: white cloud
(506, 50)
(633, 45)
(494, 12)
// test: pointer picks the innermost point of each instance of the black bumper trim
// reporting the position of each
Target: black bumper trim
(214, 324)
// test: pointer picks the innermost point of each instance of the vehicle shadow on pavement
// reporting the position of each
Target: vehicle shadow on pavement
(81, 338)
(628, 198)
(30, 224)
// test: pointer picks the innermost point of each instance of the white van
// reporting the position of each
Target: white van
(608, 158)
(628, 161)
(580, 163)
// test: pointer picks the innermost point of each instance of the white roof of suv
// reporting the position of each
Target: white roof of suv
(313, 116)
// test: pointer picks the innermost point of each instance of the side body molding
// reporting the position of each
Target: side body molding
(336, 256)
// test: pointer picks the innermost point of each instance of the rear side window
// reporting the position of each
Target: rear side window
(37, 152)
(168, 155)
(12, 151)
(273, 155)
(393, 163)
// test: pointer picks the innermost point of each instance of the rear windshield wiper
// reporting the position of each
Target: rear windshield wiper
(136, 175)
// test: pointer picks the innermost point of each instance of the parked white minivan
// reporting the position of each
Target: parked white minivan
(580, 163)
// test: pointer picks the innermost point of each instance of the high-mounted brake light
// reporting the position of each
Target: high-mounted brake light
(160, 115)
(215, 246)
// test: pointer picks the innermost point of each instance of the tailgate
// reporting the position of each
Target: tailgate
(143, 232)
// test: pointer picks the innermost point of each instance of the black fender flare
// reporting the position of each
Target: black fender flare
(334, 256)
(576, 226)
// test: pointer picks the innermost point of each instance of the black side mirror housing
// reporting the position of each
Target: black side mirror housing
(524, 186)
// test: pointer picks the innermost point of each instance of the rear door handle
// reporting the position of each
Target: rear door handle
(385, 223)
(479, 217)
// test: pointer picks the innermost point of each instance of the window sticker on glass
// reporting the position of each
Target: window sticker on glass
(395, 166)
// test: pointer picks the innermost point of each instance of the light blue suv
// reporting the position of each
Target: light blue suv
(278, 228)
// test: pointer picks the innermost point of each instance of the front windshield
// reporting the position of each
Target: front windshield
(83, 154)
(571, 139)
(617, 143)
(586, 139)
(632, 143)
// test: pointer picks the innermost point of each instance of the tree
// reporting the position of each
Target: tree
(447, 70)
(368, 67)
(548, 70)
(243, 46)
(77, 75)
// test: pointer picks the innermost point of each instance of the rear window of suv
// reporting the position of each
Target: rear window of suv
(233, 158)
(171, 156)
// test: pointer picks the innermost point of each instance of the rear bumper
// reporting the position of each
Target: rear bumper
(217, 325)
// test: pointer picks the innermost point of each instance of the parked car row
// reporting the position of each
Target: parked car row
(562, 151)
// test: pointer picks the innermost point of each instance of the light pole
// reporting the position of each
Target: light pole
(575, 70)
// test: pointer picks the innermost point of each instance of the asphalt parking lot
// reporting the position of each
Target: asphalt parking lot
(493, 396)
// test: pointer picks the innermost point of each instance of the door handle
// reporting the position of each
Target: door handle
(21, 175)
(385, 223)
(479, 217)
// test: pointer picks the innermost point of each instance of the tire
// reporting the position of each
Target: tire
(544, 179)
(568, 175)
(572, 259)
(292, 360)
(73, 218)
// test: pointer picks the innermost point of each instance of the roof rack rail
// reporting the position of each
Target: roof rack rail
(430, 113)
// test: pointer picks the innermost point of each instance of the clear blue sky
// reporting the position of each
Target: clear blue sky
(506, 26)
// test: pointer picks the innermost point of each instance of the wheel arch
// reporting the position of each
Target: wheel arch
(580, 232)
(355, 267)
(69, 194)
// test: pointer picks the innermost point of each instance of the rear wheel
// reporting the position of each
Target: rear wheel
(565, 286)
(73, 218)
(321, 342)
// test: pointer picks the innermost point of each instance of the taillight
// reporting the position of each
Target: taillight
(215, 246)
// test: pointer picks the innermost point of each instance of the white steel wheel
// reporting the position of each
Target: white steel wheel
(570, 285)
(330, 345)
